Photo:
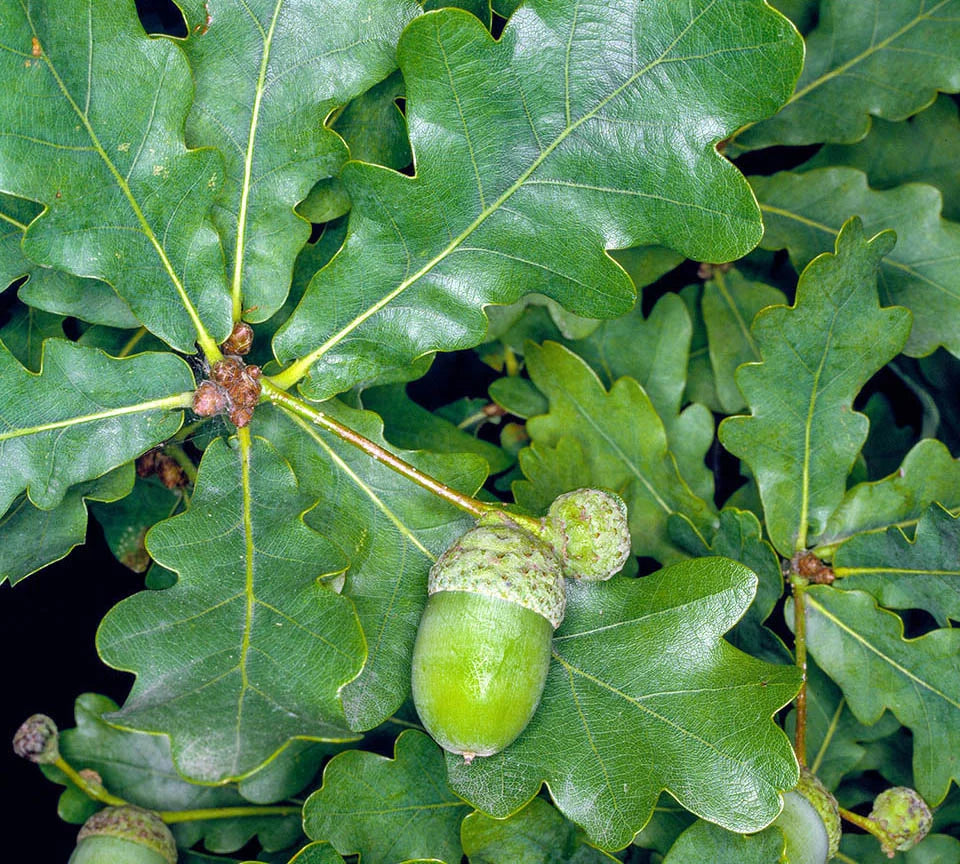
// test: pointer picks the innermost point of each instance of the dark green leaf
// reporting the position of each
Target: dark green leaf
(730, 303)
(669, 821)
(867, 57)
(126, 522)
(538, 834)
(519, 396)
(250, 648)
(31, 538)
(888, 443)
(515, 116)
(139, 768)
(703, 842)
(126, 201)
(803, 436)
(740, 537)
(804, 212)
(388, 810)
(862, 648)
(53, 290)
(618, 442)
(391, 531)
(924, 149)
(929, 473)
(82, 415)
(902, 574)
(285, 67)
(24, 333)
(644, 696)
(836, 741)
(413, 427)
(935, 849)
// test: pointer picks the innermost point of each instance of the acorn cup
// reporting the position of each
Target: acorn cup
(482, 652)
(904, 815)
(124, 835)
(810, 822)
(588, 530)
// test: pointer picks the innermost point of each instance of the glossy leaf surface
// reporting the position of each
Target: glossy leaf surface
(267, 75)
(645, 695)
(804, 212)
(382, 808)
(803, 436)
(83, 414)
(551, 89)
(249, 649)
(862, 648)
(126, 201)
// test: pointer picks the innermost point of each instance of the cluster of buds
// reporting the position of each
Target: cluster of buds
(233, 388)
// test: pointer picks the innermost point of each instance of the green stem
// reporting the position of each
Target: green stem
(98, 793)
(187, 430)
(406, 724)
(800, 645)
(834, 721)
(132, 342)
(274, 394)
(179, 455)
(845, 858)
(868, 825)
(171, 817)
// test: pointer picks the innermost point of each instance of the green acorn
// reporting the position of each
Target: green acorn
(483, 647)
(124, 835)
(904, 815)
(589, 531)
(810, 822)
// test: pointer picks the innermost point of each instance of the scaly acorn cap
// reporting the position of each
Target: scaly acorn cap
(904, 815)
(38, 740)
(133, 824)
(505, 561)
(589, 531)
(825, 804)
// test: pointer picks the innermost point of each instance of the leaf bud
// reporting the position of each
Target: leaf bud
(482, 652)
(124, 835)
(38, 740)
(240, 341)
(904, 815)
(589, 531)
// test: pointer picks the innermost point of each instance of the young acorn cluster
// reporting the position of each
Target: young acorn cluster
(482, 652)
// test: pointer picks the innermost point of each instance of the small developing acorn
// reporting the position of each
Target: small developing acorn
(482, 652)
(38, 740)
(124, 835)
(904, 815)
(810, 822)
(589, 531)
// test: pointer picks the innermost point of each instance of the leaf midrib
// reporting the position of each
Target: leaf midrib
(238, 261)
(885, 658)
(299, 368)
(203, 337)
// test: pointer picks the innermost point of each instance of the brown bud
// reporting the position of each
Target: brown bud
(37, 739)
(241, 416)
(240, 341)
(227, 372)
(254, 372)
(209, 399)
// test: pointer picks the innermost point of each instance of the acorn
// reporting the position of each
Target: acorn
(810, 822)
(589, 531)
(124, 835)
(482, 651)
(38, 740)
(904, 815)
